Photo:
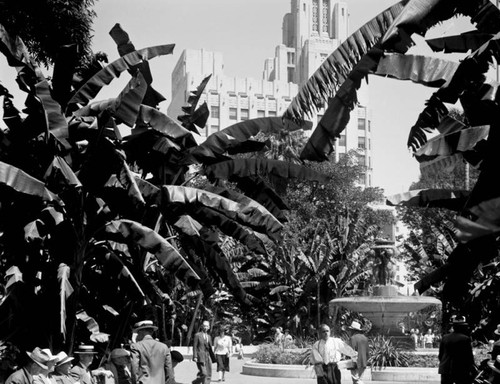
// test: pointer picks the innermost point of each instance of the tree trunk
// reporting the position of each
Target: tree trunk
(191, 326)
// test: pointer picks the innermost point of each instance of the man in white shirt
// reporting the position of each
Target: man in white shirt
(326, 353)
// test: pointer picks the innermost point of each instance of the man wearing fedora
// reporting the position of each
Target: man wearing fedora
(456, 361)
(121, 366)
(61, 369)
(203, 355)
(37, 363)
(359, 342)
(151, 359)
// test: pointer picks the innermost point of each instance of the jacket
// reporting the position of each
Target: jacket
(151, 362)
(455, 355)
(202, 349)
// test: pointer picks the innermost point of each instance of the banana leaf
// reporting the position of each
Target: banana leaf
(125, 107)
(462, 43)
(256, 166)
(260, 191)
(63, 273)
(419, 69)
(59, 172)
(438, 198)
(195, 117)
(335, 69)
(449, 144)
(220, 142)
(252, 216)
(167, 255)
(14, 50)
(217, 263)
(188, 225)
(91, 88)
(19, 181)
(152, 97)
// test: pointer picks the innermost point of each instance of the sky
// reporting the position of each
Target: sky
(247, 32)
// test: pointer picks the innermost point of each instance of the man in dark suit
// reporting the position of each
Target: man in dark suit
(151, 359)
(359, 342)
(456, 361)
(203, 354)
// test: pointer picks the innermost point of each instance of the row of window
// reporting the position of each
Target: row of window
(361, 142)
(244, 113)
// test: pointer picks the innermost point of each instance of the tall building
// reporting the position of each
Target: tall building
(311, 32)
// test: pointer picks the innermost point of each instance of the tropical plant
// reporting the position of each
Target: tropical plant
(384, 353)
(99, 230)
(387, 36)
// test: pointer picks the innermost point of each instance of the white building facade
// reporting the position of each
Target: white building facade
(311, 32)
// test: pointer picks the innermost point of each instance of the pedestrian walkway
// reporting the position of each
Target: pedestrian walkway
(186, 371)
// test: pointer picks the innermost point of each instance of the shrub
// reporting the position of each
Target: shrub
(272, 354)
(383, 353)
(422, 361)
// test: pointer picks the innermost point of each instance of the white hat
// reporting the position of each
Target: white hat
(85, 350)
(49, 353)
(356, 326)
(145, 324)
(63, 358)
(40, 357)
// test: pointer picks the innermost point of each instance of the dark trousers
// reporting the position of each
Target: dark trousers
(204, 375)
(332, 374)
(453, 379)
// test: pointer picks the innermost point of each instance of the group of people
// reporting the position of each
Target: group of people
(205, 352)
(427, 340)
(283, 340)
(326, 353)
(147, 362)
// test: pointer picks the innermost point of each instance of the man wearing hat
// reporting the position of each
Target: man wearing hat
(359, 342)
(151, 359)
(61, 369)
(38, 362)
(81, 372)
(44, 377)
(120, 365)
(456, 361)
(203, 354)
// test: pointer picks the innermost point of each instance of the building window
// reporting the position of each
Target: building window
(261, 113)
(315, 15)
(361, 124)
(214, 111)
(361, 143)
(290, 72)
(232, 114)
(342, 141)
(369, 141)
(272, 113)
(243, 114)
(361, 160)
(369, 126)
(323, 56)
(369, 162)
(325, 27)
(290, 58)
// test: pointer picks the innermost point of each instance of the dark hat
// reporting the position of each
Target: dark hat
(85, 350)
(119, 352)
(176, 356)
(145, 324)
(40, 357)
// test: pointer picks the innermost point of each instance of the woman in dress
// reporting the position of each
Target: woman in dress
(222, 348)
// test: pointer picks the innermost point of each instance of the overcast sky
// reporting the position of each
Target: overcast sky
(247, 32)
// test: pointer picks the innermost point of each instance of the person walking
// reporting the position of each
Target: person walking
(326, 353)
(359, 342)
(36, 364)
(222, 349)
(61, 369)
(203, 355)
(456, 361)
(151, 359)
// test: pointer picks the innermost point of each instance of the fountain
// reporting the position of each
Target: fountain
(385, 307)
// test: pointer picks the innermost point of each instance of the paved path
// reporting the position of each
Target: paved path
(186, 371)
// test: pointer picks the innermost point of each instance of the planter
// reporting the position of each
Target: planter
(407, 375)
(291, 371)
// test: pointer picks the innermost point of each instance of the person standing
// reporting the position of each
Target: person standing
(120, 365)
(279, 338)
(456, 361)
(203, 355)
(287, 339)
(326, 353)
(223, 346)
(429, 339)
(37, 363)
(151, 359)
(359, 342)
(61, 369)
